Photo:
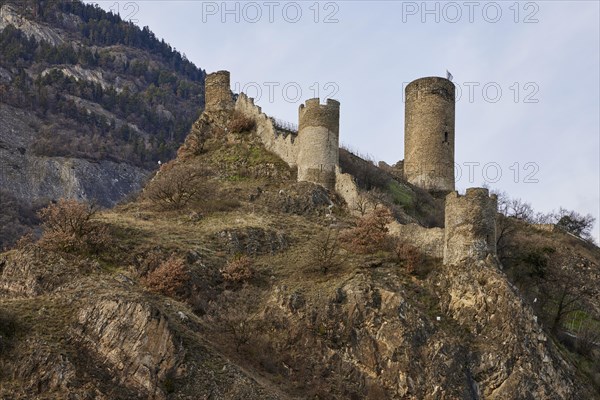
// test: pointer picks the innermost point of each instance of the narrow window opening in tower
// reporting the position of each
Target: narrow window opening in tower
(445, 137)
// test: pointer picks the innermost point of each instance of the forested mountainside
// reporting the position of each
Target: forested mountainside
(89, 104)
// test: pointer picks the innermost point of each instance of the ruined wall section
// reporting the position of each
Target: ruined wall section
(346, 187)
(430, 241)
(318, 142)
(470, 226)
(429, 134)
(218, 96)
(282, 143)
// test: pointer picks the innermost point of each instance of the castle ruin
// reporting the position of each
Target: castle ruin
(470, 225)
(429, 134)
(470, 219)
(217, 94)
(313, 149)
(318, 139)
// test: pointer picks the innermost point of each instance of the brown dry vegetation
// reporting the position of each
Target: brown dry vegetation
(68, 226)
(370, 234)
(239, 123)
(180, 186)
(268, 314)
(239, 269)
(170, 278)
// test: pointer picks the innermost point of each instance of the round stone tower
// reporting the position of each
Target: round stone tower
(429, 134)
(217, 93)
(318, 142)
(470, 226)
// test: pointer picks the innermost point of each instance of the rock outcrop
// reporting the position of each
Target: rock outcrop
(133, 339)
(511, 356)
(10, 16)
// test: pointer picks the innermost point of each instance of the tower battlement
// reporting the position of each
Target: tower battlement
(432, 85)
(429, 134)
(470, 225)
(313, 113)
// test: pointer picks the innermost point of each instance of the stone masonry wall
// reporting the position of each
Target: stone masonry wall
(346, 186)
(429, 134)
(284, 144)
(218, 94)
(318, 142)
(429, 240)
(314, 149)
(470, 226)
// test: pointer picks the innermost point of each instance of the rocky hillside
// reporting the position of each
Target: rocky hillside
(227, 279)
(88, 105)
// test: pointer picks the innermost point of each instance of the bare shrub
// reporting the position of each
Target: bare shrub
(377, 197)
(68, 226)
(371, 233)
(236, 315)
(240, 123)
(362, 204)
(175, 187)
(326, 255)
(408, 256)
(575, 223)
(367, 201)
(238, 270)
(170, 278)
(505, 229)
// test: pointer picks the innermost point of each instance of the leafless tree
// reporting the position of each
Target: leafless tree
(174, 188)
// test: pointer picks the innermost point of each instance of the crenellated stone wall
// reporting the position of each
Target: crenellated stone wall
(281, 142)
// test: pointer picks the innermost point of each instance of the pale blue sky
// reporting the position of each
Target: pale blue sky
(543, 56)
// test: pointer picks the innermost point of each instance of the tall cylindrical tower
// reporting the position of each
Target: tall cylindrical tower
(470, 226)
(217, 93)
(429, 134)
(318, 142)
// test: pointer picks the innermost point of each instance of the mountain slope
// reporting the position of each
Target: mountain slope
(88, 103)
(253, 287)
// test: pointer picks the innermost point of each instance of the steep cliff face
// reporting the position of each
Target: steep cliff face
(9, 15)
(30, 177)
(79, 335)
(510, 352)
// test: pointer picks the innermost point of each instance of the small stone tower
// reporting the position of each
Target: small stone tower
(318, 142)
(470, 228)
(217, 93)
(429, 134)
